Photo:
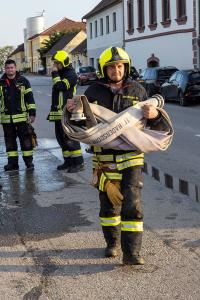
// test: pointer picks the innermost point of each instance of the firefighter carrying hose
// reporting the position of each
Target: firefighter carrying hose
(64, 86)
(118, 173)
(18, 110)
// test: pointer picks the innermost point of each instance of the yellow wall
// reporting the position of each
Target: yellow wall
(69, 47)
(19, 59)
(33, 57)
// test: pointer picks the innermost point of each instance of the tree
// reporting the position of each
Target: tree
(4, 53)
(48, 44)
(53, 39)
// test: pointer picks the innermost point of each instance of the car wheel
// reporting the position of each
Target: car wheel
(181, 98)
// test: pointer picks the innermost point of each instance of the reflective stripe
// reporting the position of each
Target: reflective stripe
(27, 153)
(131, 226)
(113, 221)
(27, 91)
(74, 153)
(127, 156)
(110, 176)
(12, 154)
(102, 182)
(23, 107)
(74, 91)
(56, 79)
(106, 157)
(66, 81)
(19, 118)
(130, 163)
(2, 99)
(66, 153)
(55, 115)
(15, 118)
(97, 149)
(60, 101)
(5, 118)
(118, 158)
(31, 106)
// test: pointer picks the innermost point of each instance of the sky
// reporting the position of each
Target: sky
(14, 15)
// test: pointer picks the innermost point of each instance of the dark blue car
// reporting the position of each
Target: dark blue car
(183, 86)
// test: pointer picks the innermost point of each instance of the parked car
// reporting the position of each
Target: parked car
(41, 70)
(153, 78)
(87, 75)
(183, 86)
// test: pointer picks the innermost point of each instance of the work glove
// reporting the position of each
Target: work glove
(31, 119)
(113, 192)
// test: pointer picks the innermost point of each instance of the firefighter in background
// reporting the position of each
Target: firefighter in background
(64, 86)
(119, 172)
(18, 109)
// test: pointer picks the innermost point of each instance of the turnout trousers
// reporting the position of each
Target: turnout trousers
(11, 132)
(71, 149)
(128, 218)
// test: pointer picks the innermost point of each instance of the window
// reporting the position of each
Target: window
(140, 15)
(92, 62)
(101, 26)
(152, 12)
(96, 29)
(107, 25)
(181, 12)
(91, 30)
(166, 10)
(114, 21)
(130, 16)
(181, 9)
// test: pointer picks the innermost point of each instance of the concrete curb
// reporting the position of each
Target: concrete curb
(176, 184)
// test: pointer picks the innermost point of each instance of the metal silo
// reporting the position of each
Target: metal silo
(35, 25)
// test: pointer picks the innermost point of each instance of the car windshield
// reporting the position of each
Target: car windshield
(195, 76)
(86, 69)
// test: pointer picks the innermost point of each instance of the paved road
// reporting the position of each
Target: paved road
(51, 246)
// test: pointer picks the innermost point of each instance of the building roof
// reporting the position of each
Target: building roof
(104, 4)
(61, 43)
(64, 25)
(20, 48)
(33, 36)
(81, 48)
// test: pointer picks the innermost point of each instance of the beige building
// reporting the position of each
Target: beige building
(33, 57)
(36, 42)
(79, 55)
(68, 42)
(18, 56)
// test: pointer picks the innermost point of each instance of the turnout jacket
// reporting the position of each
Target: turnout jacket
(64, 87)
(16, 99)
(130, 94)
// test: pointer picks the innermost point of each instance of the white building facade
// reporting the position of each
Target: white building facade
(104, 29)
(162, 32)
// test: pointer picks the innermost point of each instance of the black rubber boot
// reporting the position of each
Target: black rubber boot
(77, 165)
(30, 166)
(133, 260)
(112, 238)
(11, 167)
(131, 245)
(65, 165)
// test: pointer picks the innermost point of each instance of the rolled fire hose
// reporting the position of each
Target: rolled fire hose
(126, 130)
